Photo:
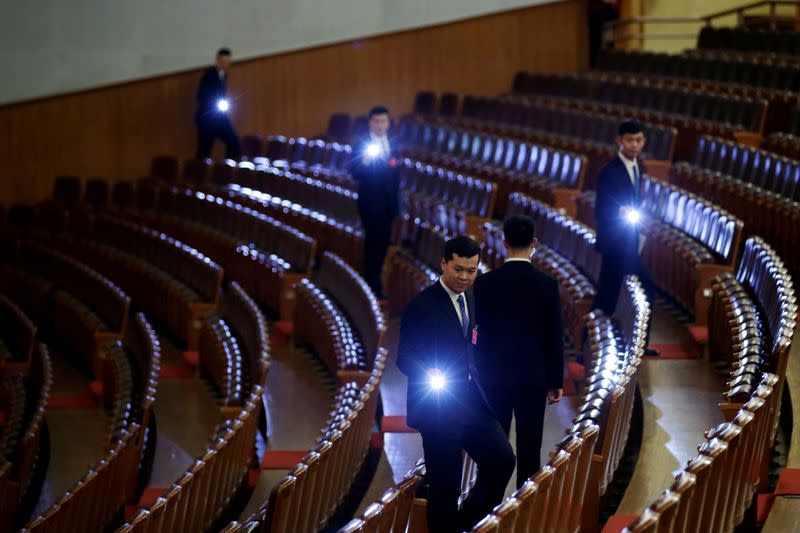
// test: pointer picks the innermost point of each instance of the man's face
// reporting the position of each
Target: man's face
(459, 272)
(379, 124)
(223, 62)
(631, 144)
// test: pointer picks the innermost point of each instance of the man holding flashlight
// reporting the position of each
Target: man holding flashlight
(445, 402)
(373, 166)
(618, 217)
(213, 107)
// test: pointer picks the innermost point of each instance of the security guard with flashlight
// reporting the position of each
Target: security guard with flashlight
(213, 110)
(445, 401)
(618, 217)
(373, 166)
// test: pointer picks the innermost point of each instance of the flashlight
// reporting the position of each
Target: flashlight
(373, 150)
(223, 105)
(632, 216)
(436, 379)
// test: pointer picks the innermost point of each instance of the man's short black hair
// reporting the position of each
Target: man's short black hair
(519, 231)
(629, 126)
(223, 52)
(378, 110)
(462, 246)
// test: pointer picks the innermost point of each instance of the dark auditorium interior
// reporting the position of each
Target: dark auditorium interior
(191, 345)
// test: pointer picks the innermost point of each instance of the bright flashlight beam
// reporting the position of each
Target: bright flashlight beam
(633, 216)
(436, 379)
(373, 150)
(223, 105)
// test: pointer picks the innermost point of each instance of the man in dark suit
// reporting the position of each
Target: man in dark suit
(617, 215)
(373, 166)
(520, 352)
(212, 115)
(445, 402)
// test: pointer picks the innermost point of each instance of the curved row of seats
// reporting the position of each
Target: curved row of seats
(693, 113)
(174, 283)
(751, 320)
(199, 497)
(715, 489)
(17, 339)
(338, 316)
(446, 198)
(90, 309)
(554, 175)
(761, 188)
(748, 40)
(234, 354)
(775, 84)
(689, 241)
(264, 255)
(110, 483)
(783, 143)
(776, 74)
(588, 133)
(306, 499)
(25, 391)
(565, 251)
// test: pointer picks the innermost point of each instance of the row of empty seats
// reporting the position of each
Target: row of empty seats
(199, 497)
(17, 338)
(110, 483)
(234, 348)
(783, 143)
(89, 309)
(25, 391)
(339, 317)
(264, 255)
(717, 487)
(742, 71)
(693, 113)
(174, 283)
(761, 188)
(345, 241)
(445, 198)
(565, 251)
(514, 165)
(689, 240)
(202, 493)
(307, 498)
(588, 133)
(751, 321)
(747, 78)
(781, 43)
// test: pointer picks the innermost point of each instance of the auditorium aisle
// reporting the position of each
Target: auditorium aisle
(77, 425)
(680, 397)
(785, 513)
(680, 394)
(186, 416)
(298, 399)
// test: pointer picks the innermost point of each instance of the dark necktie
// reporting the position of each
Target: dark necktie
(637, 182)
(462, 308)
